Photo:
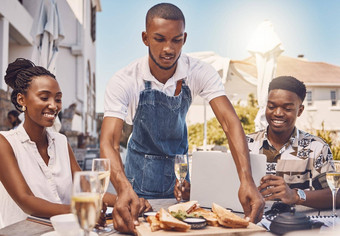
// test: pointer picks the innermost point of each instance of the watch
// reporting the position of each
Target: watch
(301, 194)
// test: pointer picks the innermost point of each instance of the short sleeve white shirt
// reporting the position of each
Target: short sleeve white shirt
(52, 182)
(123, 89)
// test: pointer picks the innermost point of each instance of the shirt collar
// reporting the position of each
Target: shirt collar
(293, 140)
(180, 73)
(23, 136)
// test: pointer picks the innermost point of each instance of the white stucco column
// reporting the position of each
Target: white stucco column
(4, 44)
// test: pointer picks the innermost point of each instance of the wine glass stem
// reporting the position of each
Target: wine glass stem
(334, 201)
(86, 233)
(180, 188)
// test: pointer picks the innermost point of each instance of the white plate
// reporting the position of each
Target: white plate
(54, 233)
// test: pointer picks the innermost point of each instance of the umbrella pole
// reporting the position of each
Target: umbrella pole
(205, 127)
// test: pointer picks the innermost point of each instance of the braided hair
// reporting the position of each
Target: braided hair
(19, 75)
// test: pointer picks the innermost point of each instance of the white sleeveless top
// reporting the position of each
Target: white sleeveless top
(52, 182)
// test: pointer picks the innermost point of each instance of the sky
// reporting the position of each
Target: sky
(308, 27)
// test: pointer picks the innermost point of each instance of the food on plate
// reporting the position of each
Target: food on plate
(155, 224)
(227, 218)
(177, 215)
(168, 222)
(187, 207)
(210, 216)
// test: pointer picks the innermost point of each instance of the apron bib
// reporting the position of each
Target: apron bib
(159, 133)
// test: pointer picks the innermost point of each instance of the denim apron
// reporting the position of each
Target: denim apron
(159, 133)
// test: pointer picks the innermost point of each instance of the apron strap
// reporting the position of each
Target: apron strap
(178, 87)
(147, 85)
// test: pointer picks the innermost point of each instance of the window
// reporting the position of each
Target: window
(333, 97)
(309, 98)
(93, 22)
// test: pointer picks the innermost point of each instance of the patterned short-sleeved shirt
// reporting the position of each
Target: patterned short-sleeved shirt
(303, 161)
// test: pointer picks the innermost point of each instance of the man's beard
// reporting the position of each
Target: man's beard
(162, 67)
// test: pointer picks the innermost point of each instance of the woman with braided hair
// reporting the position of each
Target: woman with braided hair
(37, 164)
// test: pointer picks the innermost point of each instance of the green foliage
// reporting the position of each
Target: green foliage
(247, 114)
(328, 136)
(215, 134)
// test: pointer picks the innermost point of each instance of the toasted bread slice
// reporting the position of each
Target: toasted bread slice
(155, 224)
(228, 219)
(210, 216)
(168, 222)
(187, 207)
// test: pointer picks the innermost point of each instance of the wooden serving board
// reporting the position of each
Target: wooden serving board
(144, 230)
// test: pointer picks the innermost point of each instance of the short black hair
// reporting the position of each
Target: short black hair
(166, 11)
(289, 83)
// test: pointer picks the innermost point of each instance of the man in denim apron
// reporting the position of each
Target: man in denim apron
(154, 93)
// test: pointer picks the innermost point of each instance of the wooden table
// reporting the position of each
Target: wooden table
(29, 228)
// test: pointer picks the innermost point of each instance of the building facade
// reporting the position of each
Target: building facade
(75, 63)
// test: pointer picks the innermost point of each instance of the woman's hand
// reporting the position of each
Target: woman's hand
(182, 193)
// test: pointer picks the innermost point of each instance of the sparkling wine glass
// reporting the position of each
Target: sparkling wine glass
(102, 167)
(181, 168)
(333, 180)
(86, 203)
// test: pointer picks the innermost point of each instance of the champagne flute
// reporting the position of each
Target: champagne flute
(102, 167)
(86, 204)
(333, 180)
(181, 168)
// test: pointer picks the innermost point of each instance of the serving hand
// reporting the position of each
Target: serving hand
(125, 212)
(252, 201)
(183, 191)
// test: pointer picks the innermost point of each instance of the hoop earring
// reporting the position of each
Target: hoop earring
(23, 108)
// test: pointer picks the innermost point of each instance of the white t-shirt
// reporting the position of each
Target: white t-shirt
(52, 182)
(123, 89)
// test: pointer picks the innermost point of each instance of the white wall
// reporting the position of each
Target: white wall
(321, 110)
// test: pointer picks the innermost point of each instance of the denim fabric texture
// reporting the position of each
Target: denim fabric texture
(159, 133)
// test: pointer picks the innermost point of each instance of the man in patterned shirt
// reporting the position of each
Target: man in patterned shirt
(296, 160)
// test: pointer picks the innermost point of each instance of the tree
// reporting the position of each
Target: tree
(330, 140)
(215, 134)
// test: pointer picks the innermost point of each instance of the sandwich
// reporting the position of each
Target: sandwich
(185, 207)
(228, 219)
(155, 224)
(209, 216)
(168, 222)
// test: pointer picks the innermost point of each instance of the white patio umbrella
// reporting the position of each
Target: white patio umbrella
(47, 31)
(266, 47)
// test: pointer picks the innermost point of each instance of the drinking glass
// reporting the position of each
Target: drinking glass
(85, 203)
(102, 167)
(181, 168)
(333, 180)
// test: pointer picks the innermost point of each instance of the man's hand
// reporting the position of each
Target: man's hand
(251, 200)
(125, 212)
(144, 206)
(182, 192)
(102, 218)
(274, 187)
